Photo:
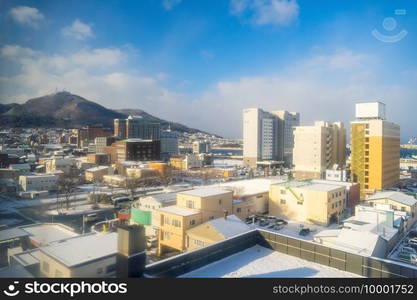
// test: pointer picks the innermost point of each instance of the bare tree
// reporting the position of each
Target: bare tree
(67, 185)
(132, 184)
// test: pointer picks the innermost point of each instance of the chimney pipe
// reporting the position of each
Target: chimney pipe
(131, 255)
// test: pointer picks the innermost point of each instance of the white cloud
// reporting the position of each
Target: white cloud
(170, 4)
(26, 15)
(266, 12)
(78, 30)
(322, 87)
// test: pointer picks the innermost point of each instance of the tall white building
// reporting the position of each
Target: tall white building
(260, 137)
(288, 121)
(319, 148)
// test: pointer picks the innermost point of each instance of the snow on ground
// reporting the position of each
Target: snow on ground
(79, 210)
(259, 261)
(222, 163)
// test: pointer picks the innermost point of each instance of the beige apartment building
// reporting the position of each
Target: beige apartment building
(375, 146)
(38, 182)
(318, 148)
(192, 208)
(97, 173)
(95, 256)
(302, 201)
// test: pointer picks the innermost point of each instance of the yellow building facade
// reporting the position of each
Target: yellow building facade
(305, 201)
(375, 155)
(192, 208)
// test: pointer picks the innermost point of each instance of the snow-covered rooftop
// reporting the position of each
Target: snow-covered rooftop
(394, 196)
(322, 187)
(45, 233)
(181, 211)
(259, 261)
(28, 258)
(252, 186)
(13, 233)
(95, 169)
(229, 226)
(206, 192)
(84, 248)
(160, 197)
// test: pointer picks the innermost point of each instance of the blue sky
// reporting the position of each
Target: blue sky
(202, 62)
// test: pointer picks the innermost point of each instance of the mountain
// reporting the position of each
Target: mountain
(164, 124)
(67, 110)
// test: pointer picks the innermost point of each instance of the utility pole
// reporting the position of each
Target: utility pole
(83, 223)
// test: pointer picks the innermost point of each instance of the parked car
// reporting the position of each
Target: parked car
(304, 231)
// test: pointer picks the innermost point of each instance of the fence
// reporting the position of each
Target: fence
(357, 264)
(361, 265)
(189, 261)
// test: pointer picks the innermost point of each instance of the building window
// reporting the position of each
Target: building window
(198, 243)
(283, 192)
(176, 223)
(167, 220)
(283, 201)
(99, 270)
(192, 222)
(402, 208)
(220, 201)
(167, 235)
(238, 210)
(190, 204)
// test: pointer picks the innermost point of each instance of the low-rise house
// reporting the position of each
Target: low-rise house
(99, 158)
(185, 162)
(145, 210)
(372, 231)
(142, 173)
(67, 165)
(38, 182)
(396, 201)
(95, 256)
(97, 173)
(192, 208)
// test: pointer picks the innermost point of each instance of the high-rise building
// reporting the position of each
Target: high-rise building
(134, 150)
(375, 149)
(318, 148)
(120, 128)
(169, 144)
(136, 127)
(287, 123)
(87, 134)
(260, 137)
(201, 147)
